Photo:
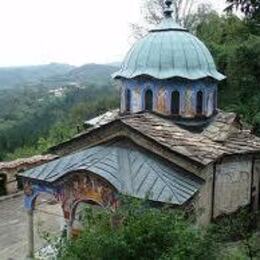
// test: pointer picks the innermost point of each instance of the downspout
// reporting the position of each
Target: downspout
(213, 190)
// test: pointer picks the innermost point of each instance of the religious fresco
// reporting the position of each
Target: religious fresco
(77, 188)
(161, 101)
(162, 93)
(136, 100)
(189, 107)
(85, 188)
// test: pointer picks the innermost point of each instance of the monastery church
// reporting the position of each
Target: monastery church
(168, 142)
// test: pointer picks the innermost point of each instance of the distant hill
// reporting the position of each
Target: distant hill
(55, 75)
(18, 76)
(90, 73)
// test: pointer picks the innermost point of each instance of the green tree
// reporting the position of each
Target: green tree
(139, 231)
(237, 54)
(251, 8)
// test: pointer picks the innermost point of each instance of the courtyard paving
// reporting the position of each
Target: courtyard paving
(13, 226)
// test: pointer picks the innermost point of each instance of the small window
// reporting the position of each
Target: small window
(175, 103)
(199, 102)
(149, 100)
(128, 100)
(215, 100)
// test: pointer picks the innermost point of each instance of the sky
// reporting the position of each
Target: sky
(67, 31)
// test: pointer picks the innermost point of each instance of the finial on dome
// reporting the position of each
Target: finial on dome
(168, 10)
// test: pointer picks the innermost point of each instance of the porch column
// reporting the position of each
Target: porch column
(69, 229)
(30, 233)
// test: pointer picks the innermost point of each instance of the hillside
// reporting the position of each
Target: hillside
(97, 74)
(55, 75)
(38, 110)
(11, 77)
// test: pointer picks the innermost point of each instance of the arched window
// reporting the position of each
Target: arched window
(215, 100)
(199, 107)
(149, 100)
(128, 100)
(175, 103)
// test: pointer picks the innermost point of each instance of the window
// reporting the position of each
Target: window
(128, 100)
(149, 100)
(199, 102)
(215, 98)
(175, 103)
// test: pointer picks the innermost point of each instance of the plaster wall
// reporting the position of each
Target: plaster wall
(11, 182)
(11, 187)
(203, 201)
(232, 185)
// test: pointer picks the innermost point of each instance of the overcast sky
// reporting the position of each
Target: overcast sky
(67, 31)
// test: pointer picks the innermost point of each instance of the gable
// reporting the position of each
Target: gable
(128, 168)
(188, 149)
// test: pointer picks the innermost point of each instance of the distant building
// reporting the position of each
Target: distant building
(9, 181)
(168, 142)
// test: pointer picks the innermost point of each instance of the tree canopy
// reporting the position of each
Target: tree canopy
(251, 8)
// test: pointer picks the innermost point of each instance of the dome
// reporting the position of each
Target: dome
(169, 51)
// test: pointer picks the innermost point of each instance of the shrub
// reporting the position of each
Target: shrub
(138, 231)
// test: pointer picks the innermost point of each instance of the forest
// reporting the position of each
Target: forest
(33, 118)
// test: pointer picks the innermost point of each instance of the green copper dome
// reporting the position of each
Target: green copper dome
(169, 51)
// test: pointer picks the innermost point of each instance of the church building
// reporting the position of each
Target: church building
(168, 142)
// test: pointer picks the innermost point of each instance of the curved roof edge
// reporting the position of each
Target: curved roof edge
(195, 75)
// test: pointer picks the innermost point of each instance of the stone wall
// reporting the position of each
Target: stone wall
(203, 200)
(10, 170)
(228, 186)
(11, 181)
(233, 183)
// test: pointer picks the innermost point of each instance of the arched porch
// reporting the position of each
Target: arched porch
(73, 189)
(98, 174)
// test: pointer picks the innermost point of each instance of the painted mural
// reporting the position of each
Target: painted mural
(78, 188)
(85, 188)
(162, 92)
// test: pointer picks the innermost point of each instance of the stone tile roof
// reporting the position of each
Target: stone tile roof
(223, 135)
(26, 162)
(102, 119)
(131, 170)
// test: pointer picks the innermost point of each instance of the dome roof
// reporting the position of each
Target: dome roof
(169, 51)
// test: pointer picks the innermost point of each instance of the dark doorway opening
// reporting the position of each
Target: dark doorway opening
(149, 100)
(128, 100)
(3, 182)
(199, 103)
(175, 103)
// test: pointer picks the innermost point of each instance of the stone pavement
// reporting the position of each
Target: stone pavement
(13, 226)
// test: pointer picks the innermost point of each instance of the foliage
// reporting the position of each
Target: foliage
(251, 8)
(31, 120)
(139, 231)
(237, 54)
(239, 228)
